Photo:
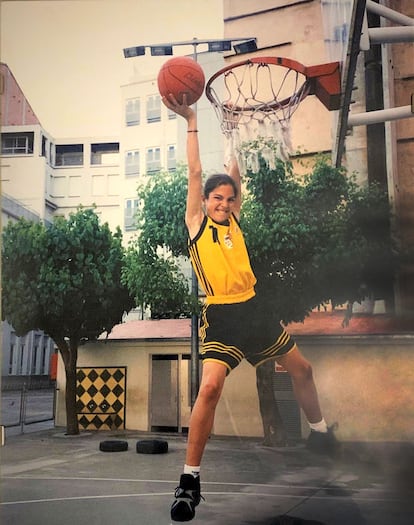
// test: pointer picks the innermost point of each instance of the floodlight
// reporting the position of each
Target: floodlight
(134, 51)
(157, 51)
(219, 45)
(245, 47)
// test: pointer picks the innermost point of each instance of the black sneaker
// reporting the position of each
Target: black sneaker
(187, 497)
(324, 442)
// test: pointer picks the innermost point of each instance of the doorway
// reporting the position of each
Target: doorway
(170, 403)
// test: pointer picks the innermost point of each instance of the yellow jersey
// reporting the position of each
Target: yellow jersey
(220, 260)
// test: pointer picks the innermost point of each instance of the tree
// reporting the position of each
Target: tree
(154, 280)
(64, 279)
(161, 219)
(321, 239)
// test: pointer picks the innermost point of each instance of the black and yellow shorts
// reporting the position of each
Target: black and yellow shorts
(233, 332)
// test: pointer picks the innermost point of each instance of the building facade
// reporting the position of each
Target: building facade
(364, 373)
(44, 177)
(24, 169)
(381, 152)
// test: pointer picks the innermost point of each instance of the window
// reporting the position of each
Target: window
(44, 364)
(171, 160)
(17, 143)
(153, 109)
(105, 153)
(12, 355)
(44, 142)
(132, 112)
(172, 115)
(131, 208)
(51, 154)
(153, 160)
(132, 163)
(22, 355)
(36, 348)
(69, 155)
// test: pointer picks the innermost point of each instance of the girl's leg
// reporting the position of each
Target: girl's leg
(300, 370)
(202, 416)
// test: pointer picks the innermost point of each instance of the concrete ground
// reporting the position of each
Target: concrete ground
(51, 478)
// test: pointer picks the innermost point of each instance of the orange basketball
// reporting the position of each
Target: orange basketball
(181, 75)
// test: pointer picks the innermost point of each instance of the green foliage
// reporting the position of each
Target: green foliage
(312, 240)
(322, 239)
(64, 279)
(161, 220)
(22, 258)
(155, 280)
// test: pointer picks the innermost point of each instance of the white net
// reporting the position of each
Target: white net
(255, 101)
(265, 132)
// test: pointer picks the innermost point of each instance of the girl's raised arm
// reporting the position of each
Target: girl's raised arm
(194, 211)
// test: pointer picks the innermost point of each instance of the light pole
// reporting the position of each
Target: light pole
(243, 45)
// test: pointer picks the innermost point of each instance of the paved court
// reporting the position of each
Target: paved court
(50, 478)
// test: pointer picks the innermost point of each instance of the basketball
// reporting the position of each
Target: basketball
(179, 76)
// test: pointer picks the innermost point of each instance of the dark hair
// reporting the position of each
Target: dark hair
(219, 179)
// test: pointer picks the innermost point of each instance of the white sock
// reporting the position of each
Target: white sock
(319, 427)
(194, 471)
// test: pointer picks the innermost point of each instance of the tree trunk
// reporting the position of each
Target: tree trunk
(70, 356)
(72, 424)
(273, 428)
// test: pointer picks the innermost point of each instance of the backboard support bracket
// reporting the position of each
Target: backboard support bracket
(361, 38)
(353, 51)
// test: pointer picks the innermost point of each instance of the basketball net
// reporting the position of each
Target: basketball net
(267, 138)
(254, 102)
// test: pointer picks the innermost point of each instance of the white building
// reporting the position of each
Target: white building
(44, 176)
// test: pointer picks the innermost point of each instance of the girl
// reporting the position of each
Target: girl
(234, 324)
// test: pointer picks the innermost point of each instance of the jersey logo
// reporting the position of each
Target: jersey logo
(227, 240)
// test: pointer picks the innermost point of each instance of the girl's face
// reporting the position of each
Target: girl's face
(219, 204)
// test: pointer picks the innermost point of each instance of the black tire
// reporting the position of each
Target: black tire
(113, 446)
(152, 446)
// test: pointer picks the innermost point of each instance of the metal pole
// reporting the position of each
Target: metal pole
(380, 115)
(195, 364)
(390, 14)
(389, 35)
(23, 407)
(195, 374)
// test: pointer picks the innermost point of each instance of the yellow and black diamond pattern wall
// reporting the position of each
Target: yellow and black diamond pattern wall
(100, 398)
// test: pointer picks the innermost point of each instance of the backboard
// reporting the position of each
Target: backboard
(343, 24)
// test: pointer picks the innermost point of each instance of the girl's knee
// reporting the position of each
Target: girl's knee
(301, 370)
(210, 392)
(304, 371)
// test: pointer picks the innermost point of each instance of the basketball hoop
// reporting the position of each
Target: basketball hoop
(256, 98)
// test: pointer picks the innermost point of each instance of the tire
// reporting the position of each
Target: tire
(113, 446)
(152, 446)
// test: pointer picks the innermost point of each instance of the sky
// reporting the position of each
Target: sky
(67, 55)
